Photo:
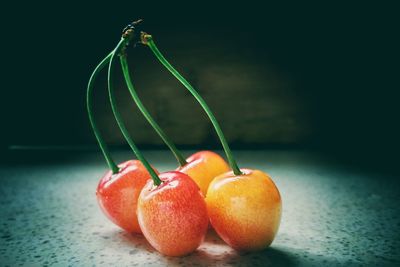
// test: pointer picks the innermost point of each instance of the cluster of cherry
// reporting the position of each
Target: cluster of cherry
(173, 209)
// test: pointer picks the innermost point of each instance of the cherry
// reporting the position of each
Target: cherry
(245, 210)
(171, 210)
(117, 194)
(173, 216)
(204, 166)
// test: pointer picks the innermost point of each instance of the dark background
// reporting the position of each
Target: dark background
(316, 76)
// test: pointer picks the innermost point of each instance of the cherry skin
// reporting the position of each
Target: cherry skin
(245, 210)
(173, 216)
(203, 167)
(117, 194)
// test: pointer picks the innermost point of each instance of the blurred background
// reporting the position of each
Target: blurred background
(317, 76)
(307, 92)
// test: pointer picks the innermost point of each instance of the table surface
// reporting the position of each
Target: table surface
(333, 214)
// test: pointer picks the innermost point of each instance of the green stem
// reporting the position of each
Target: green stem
(89, 99)
(125, 68)
(118, 116)
(232, 162)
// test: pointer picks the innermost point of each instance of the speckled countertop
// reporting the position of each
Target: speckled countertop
(332, 215)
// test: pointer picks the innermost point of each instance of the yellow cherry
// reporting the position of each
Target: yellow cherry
(245, 210)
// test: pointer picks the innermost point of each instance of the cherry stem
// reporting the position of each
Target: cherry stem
(89, 104)
(125, 68)
(148, 40)
(122, 43)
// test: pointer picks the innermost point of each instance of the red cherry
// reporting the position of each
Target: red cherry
(173, 216)
(117, 194)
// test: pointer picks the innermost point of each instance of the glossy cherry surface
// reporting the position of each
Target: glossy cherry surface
(245, 210)
(117, 194)
(203, 167)
(173, 216)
